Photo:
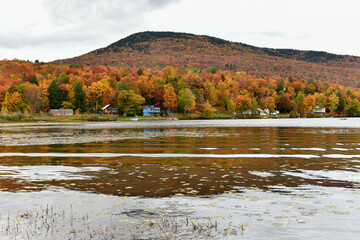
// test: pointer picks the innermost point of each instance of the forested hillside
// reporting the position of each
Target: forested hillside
(157, 50)
(32, 88)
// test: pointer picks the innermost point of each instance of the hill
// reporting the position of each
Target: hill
(159, 49)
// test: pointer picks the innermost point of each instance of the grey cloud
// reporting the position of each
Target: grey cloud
(271, 34)
(105, 11)
(83, 21)
(159, 3)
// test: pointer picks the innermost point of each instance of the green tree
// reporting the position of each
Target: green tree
(129, 102)
(333, 102)
(354, 108)
(321, 100)
(299, 104)
(186, 100)
(280, 86)
(67, 105)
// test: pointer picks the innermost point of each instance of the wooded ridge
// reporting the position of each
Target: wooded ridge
(157, 50)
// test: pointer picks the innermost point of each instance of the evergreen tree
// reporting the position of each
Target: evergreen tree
(280, 86)
(34, 80)
(341, 104)
(79, 95)
(55, 96)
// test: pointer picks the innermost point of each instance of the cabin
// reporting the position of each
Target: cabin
(260, 112)
(318, 110)
(108, 109)
(275, 112)
(267, 112)
(247, 112)
(150, 110)
(257, 111)
(62, 112)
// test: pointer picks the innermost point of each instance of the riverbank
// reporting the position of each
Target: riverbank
(85, 117)
(20, 118)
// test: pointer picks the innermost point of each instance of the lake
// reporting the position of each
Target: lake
(203, 179)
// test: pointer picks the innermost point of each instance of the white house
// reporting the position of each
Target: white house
(319, 110)
(247, 112)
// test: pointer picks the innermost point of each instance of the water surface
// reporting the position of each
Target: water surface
(228, 179)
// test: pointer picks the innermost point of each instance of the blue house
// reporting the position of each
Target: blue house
(150, 110)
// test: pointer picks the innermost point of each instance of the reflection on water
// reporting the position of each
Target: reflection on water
(263, 178)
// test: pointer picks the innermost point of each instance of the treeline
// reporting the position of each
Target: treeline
(35, 88)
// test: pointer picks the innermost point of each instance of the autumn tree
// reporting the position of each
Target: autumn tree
(207, 112)
(283, 102)
(32, 97)
(211, 93)
(333, 102)
(170, 98)
(16, 102)
(159, 96)
(108, 97)
(269, 102)
(3, 91)
(310, 103)
(96, 92)
(146, 87)
(230, 106)
(5, 103)
(243, 103)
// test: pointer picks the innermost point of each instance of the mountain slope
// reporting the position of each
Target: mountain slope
(160, 49)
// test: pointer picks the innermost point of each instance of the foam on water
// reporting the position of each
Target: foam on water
(156, 155)
(47, 173)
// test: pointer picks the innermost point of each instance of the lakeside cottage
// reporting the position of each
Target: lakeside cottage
(150, 110)
(62, 112)
(319, 110)
(108, 109)
(247, 112)
(257, 111)
(260, 112)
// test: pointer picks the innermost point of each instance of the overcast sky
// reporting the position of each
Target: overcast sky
(54, 29)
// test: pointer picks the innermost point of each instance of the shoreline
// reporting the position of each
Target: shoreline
(92, 117)
(201, 123)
